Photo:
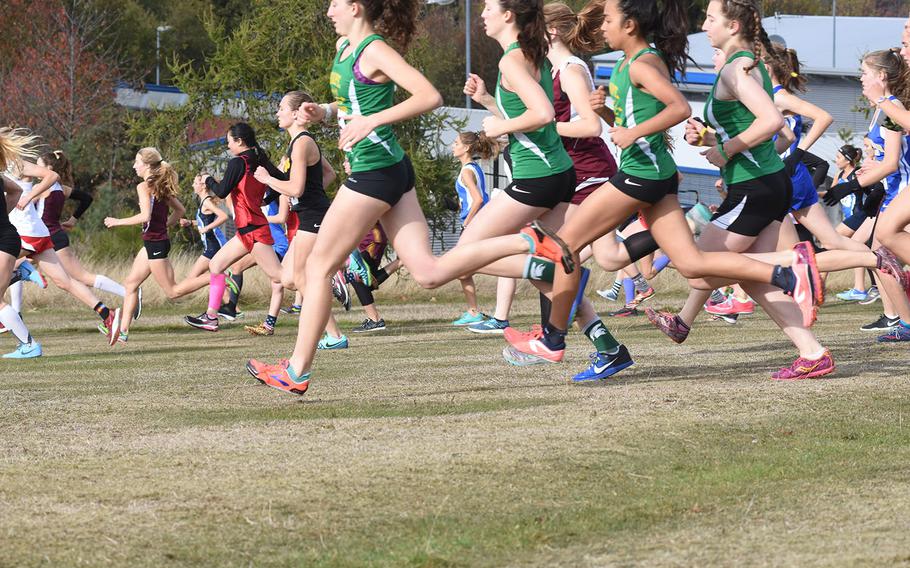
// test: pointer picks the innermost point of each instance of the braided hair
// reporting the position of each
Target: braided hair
(748, 14)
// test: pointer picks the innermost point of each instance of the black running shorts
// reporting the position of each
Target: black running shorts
(311, 220)
(647, 190)
(61, 240)
(10, 243)
(157, 250)
(385, 184)
(752, 205)
(547, 192)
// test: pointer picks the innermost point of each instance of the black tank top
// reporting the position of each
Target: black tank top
(314, 197)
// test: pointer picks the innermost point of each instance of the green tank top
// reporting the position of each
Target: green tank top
(380, 148)
(648, 157)
(729, 119)
(539, 153)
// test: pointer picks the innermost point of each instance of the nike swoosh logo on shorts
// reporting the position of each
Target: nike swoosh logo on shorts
(630, 182)
(317, 226)
(520, 190)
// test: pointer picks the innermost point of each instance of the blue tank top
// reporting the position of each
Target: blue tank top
(213, 239)
(898, 180)
(464, 196)
(278, 234)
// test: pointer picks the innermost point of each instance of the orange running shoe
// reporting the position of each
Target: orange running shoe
(544, 242)
(254, 367)
(283, 378)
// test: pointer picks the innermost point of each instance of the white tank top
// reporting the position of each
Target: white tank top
(28, 221)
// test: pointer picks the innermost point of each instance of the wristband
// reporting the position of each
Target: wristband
(329, 113)
(702, 132)
(722, 152)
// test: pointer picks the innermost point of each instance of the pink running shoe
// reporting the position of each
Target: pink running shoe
(731, 306)
(512, 335)
(808, 291)
(888, 263)
(806, 369)
(669, 324)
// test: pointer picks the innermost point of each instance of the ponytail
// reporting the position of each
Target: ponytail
(162, 180)
(395, 20)
(532, 28)
(58, 162)
(896, 70)
(15, 145)
(580, 32)
(480, 145)
(245, 133)
(666, 24)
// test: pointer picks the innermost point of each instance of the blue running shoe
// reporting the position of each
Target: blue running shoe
(28, 350)
(852, 295)
(359, 270)
(582, 284)
(329, 342)
(604, 365)
(490, 326)
(897, 334)
(31, 274)
(468, 318)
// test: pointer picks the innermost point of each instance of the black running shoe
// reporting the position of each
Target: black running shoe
(203, 321)
(227, 312)
(883, 323)
(370, 325)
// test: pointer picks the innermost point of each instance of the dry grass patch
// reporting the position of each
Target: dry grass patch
(420, 447)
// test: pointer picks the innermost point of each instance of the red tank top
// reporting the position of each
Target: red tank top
(247, 198)
(156, 227)
(591, 157)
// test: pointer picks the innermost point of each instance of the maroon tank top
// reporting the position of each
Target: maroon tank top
(591, 157)
(156, 227)
(53, 208)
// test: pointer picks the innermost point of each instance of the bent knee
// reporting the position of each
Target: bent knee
(699, 284)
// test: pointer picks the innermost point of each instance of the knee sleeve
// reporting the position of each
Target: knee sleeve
(640, 245)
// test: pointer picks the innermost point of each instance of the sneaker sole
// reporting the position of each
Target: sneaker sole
(511, 360)
(487, 331)
(568, 262)
(115, 328)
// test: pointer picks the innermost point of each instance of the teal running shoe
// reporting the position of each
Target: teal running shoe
(359, 270)
(852, 295)
(605, 365)
(31, 274)
(28, 350)
(468, 318)
(490, 326)
(329, 342)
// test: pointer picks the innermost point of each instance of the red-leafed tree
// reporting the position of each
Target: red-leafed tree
(61, 78)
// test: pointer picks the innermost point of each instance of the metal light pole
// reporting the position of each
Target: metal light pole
(158, 31)
(833, 34)
(467, 46)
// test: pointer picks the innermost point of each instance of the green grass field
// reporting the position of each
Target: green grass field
(419, 446)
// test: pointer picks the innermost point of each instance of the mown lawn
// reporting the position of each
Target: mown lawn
(418, 446)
